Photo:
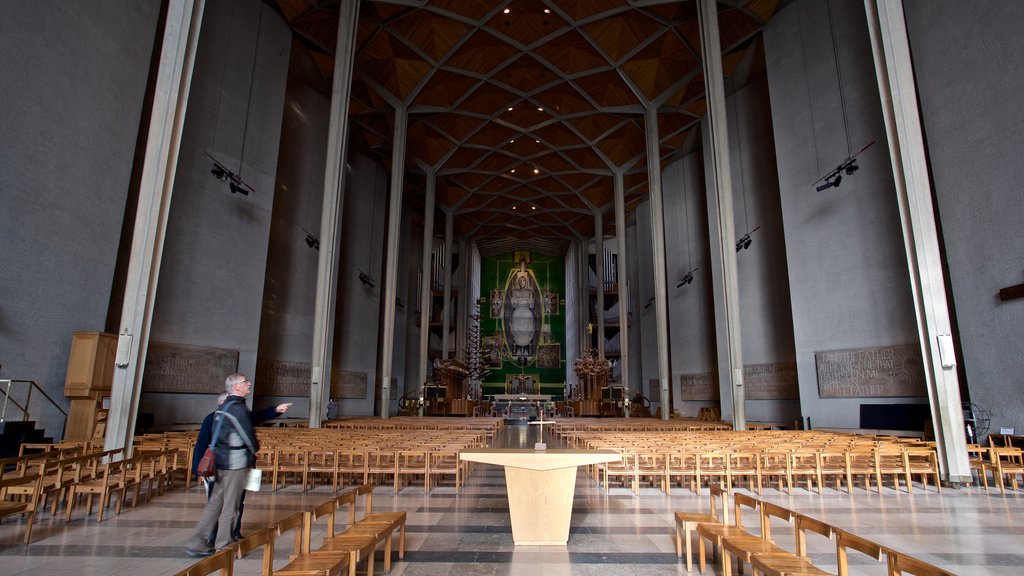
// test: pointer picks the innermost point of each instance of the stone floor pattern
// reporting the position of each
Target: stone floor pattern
(970, 531)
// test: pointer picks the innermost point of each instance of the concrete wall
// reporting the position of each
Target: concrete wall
(212, 272)
(362, 248)
(847, 266)
(289, 288)
(72, 81)
(967, 63)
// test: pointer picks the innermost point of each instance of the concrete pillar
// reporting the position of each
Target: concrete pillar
(894, 70)
(621, 272)
(425, 280)
(387, 352)
(330, 216)
(446, 321)
(730, 359)
(166, 123)
(599, 269)
(658, 256)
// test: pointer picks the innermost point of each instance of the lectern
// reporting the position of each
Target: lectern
(541, 486)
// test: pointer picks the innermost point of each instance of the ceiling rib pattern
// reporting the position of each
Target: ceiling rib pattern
(526, 109)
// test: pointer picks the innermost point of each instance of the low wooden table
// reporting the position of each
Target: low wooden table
(541, 485)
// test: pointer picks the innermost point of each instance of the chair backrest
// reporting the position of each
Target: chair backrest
(348, 499)
(806, 524)
(221, 561)
(324, 509)
(739, 501)
(845, 541)
(900, 564)
(769, 511)
(294, 522)
(264, 538)
(366, 490)
(721, 496)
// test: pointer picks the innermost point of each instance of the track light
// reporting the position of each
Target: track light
(235, 183)
(312, 241)
(745, 241)
(686, 279)
(834, 178)
(366, 279)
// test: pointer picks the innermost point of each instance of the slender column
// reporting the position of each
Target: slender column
(599, 270)
(387, 352)
(466, 300)
(331, 214)
(426, 283)
(620, 234)
(658, 255)
(894, 70)
(170, 100)
(583, 301)
(711, 53)
(449, 224)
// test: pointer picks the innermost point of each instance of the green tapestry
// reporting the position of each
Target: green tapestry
(522, 323)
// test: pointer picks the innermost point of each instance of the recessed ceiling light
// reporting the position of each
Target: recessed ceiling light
(509, 108)
(540, 109)
(546, 11)
(533, 207)
(536, 171)
(513, 170)
(507, 10)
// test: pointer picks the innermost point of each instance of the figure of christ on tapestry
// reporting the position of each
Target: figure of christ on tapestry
(522, 384)
(523, 310)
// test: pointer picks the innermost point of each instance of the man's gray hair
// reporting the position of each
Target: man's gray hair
(229, 384)
(220, 399)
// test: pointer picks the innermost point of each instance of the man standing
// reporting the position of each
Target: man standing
(204, 439)
(236, 447)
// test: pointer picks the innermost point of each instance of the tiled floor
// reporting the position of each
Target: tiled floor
(967, 531)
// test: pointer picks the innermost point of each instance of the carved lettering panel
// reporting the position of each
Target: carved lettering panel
(655, 390)
(699, 387)
(345, 384)
(282, 378)
(771, 381)
(180, 368)
(888, 371)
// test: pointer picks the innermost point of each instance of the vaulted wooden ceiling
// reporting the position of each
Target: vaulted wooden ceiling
(525, 109)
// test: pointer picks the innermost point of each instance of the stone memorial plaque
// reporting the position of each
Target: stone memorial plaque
(282, 378)
(655, 390)
(180, 368)
(888, 371)
(393, 390)
(345, 384)
(699, 387)
(771, 381)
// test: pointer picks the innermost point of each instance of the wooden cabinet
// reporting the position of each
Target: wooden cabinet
(89, 378)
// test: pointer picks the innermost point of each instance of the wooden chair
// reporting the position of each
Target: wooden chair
(716, 464)
(793, 564)
(29, 499)
(411, 463)
(686, 522)
(977, 457)
(625, 468)
(744, 547)
(380, 464)
(683, 465)
(220, 562)
(351, 464)
(392, 521)
(106, 480)
(804, 464)
(835, 462)
(923, 462)
(1007, 463)
(652, 467)
(775, 464)
(260, 539)
(746, 464)
(890, 460)
(900, 564)
(846, 541)
(322, 464)
(291, 462)
(444, 463)
(302, 562)
(716, 532)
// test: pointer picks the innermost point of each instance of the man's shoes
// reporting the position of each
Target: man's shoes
(201, 553)
(237, 537)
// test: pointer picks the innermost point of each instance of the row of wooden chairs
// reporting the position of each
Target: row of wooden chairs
(666, 467)
(735, 541)
(36, 482)
(1004, 463)
(341, 551)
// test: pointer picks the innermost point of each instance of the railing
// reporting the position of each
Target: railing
(5, 388)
